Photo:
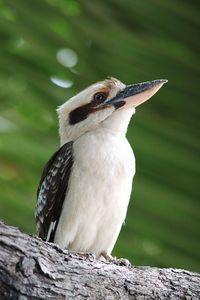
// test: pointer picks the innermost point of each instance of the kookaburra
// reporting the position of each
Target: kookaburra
(85, 187)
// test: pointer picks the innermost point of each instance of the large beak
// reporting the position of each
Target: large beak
(135, 94)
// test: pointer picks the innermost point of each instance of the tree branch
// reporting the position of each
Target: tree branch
(33, 269)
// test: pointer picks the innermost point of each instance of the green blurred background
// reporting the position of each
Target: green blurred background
(49, 50)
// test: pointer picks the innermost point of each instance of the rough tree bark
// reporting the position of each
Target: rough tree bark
(33, 269)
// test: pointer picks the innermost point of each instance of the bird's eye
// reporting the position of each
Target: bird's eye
(100, 97)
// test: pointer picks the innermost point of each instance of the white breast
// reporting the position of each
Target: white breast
(98, 192)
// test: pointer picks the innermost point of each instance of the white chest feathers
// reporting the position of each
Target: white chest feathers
(98, 193)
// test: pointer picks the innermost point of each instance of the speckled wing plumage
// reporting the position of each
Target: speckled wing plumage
(52, 190)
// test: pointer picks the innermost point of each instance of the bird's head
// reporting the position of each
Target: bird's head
(108, 104)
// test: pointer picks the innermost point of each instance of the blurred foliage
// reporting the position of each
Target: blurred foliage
(54, 43)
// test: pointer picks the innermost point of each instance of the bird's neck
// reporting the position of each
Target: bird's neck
(116, 124)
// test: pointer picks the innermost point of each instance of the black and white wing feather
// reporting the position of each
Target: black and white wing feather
(52, 190)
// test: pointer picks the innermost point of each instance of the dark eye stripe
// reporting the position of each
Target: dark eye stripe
(79, 114)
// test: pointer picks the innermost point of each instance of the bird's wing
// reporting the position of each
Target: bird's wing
(52, 190)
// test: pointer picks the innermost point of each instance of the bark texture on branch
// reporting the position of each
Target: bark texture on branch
(33, 269)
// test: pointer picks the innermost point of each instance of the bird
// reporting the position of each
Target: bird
(85, 187)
